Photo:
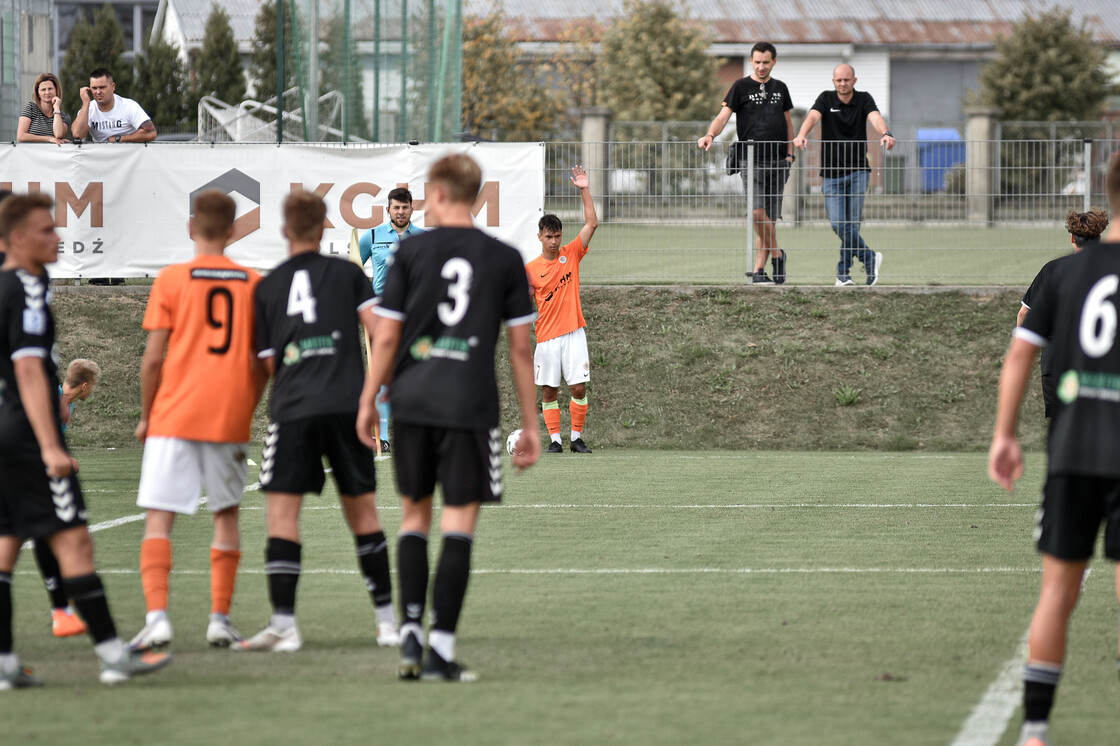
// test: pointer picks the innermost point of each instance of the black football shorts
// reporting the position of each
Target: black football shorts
(292, 460)
(35, 506)
(466, 463)
(1073, 508)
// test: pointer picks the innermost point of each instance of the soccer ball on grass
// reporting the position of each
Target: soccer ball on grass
(511, 441)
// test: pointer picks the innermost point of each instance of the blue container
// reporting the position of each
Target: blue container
(938, 151)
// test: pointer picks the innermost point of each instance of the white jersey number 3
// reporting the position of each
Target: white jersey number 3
(1098, 318)
(461, 273)
(300, 300)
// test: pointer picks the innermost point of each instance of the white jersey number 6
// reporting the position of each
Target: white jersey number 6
(1098, 318)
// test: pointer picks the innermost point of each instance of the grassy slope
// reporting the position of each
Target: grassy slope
(724, 368)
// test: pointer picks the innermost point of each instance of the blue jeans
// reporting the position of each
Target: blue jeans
(843, 201)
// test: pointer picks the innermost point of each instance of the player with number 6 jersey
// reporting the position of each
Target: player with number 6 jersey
(1075, 314)
(308, 311)
(200, 383)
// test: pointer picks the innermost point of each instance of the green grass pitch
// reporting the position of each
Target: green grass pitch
(626, 597)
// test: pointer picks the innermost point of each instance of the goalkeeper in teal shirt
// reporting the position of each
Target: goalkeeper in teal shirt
(379, 245)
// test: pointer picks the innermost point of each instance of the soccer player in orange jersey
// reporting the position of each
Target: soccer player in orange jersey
(561, 342)
(196, 410)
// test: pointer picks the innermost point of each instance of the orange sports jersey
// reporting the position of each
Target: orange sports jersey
(556, 288)
(206, 390)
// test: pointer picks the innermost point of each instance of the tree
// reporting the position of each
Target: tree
(218, 71)
(654, 65)
(95, 42)
(333, 76)
(573, 70)
(262, 58)
(1070, 83)
(161, 85)
(502, 99)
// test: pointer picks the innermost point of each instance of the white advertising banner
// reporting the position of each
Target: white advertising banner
(122, 210)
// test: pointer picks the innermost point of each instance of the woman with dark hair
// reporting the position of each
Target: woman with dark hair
(42, 120)
(1085, 229)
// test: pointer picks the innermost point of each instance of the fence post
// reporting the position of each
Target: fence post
(751, 252)
(795, 187)
(1088, 174)
(595, 125)
(981, 180)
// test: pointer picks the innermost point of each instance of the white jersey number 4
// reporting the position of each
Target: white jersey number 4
(1098, 317)
(300, 300)
(461, 273)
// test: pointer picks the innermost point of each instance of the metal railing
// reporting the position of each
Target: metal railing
(944, 211)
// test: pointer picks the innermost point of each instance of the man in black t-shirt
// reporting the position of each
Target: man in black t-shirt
(845, 172)
(306, 312)
(761, 106)
(40, 496)
(1075, 313)
(1085, 229)
(445, 299)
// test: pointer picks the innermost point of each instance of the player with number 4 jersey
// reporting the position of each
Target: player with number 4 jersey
(1075, 315)
(200, 383)
(308, 311)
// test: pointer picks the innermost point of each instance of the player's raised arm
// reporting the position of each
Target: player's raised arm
(590, 220)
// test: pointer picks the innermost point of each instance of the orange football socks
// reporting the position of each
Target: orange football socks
(223, 575)
(155, 567)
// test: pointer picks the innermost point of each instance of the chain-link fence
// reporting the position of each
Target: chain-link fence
(940, 210)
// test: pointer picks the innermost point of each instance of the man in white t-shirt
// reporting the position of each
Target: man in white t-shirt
(109, 117)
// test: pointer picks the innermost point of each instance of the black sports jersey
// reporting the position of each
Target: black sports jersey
(26, 330)
(306, 316)
(1076, 311)
(1044, 277)
(844, 132)
(452, 288)
(760, 115)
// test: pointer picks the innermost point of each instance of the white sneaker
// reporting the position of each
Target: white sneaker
(152, 637)
(273, 639)
(388, 635)
(222, 634)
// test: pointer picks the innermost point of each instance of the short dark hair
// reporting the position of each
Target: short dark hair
(213, 212)
(400, 194)
(17, 207)
(459, 175)
(549, 223)
(763, 47)
(102, 72)
(304, 215)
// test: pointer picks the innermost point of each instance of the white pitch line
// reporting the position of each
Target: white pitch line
(988, 720)
(655, 571)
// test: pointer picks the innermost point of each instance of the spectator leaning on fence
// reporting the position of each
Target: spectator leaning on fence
(43, 120)
(1085, 229)
(761, 106)
(107, 117)
(845, 171)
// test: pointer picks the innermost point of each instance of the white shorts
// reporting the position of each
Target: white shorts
(565, 354)
(174, 471)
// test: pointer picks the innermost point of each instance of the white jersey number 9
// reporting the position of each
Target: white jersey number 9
(461, 273)
(1098, 318)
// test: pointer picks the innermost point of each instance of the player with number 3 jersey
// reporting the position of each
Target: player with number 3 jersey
(1075, 314)
(200, 383)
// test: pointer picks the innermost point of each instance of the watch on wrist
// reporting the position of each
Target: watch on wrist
(118, 138)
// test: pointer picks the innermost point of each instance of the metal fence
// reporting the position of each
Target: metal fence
(941, 210)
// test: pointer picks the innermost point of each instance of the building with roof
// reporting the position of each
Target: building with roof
(916, 57)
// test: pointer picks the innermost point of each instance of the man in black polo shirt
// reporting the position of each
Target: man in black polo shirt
(845, 172)
(1075, 314)
(446, 297)
(761, 106)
